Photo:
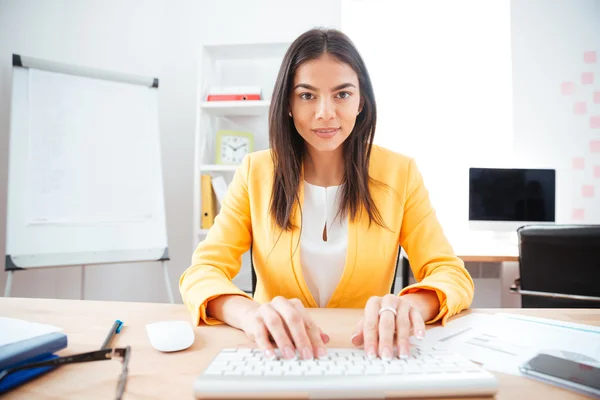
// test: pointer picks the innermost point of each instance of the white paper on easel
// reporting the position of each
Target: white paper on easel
(502, 342)
(82, 169)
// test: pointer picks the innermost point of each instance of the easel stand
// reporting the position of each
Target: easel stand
(165, 268)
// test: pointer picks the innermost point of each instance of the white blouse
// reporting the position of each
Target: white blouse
(322, 261)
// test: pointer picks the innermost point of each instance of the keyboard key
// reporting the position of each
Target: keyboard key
(354, 372)
(313, 372)
(213, 371)
(253, 373)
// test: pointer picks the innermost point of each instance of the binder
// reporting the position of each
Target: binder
(17, 378)
(38, 348)
(14, 353)
(233, 97)
(233, 93)
(208, 202)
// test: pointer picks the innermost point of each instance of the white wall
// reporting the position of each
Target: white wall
(152, 37)
(442, 77)
(443, 74)
(552, 129)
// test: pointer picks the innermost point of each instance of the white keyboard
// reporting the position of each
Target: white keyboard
(345, 373)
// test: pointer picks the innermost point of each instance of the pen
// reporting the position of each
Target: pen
(116, 328)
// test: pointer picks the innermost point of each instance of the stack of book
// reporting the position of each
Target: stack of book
(23, 342)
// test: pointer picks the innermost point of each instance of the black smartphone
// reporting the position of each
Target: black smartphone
(569, 374)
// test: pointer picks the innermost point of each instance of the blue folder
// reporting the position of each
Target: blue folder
(17, 378)
(40, 348)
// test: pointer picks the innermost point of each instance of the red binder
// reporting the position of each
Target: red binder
(233, 97)
(234, 93)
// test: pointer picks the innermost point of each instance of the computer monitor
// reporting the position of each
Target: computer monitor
(502, 200)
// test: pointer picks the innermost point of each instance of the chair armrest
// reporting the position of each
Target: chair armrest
(516, 289)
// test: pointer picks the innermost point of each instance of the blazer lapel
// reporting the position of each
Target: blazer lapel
(295, 246)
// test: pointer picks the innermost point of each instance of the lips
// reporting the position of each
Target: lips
(326, 132)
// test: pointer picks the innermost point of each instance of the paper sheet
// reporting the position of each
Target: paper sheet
(501, 342)
(15, 330)
(83, 169)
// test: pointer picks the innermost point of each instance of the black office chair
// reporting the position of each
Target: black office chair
(559, 266)
(405, 267)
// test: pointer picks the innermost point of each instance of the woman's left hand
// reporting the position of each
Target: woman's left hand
(388, 321)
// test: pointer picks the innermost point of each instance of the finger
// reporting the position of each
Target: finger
(357, 337)
(403, 327)
(261, 337)
(313, 331)
(325, 337)
(387, 327)
(295, 323)
(417, 323)
(370, 326)
(276, 328)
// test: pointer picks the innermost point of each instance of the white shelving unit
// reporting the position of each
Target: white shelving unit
(217, 168)
(239, 64)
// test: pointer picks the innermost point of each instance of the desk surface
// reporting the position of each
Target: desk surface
(154, 375)
(473, 246)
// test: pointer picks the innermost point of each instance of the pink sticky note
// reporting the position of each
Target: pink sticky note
(587, 191)
(589, 57)
(578, 214)
(597, 97)
(595, 122)
(597, 171)
(579, 163)
(567, 88)
(595, 146)
(587, 78)
(579, 108)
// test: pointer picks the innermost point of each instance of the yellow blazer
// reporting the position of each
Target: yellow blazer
(371, 256)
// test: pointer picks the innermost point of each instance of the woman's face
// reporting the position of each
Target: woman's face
(324, 102)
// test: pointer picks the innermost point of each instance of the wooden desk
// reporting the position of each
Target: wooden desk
(154, 375)
(473, 246)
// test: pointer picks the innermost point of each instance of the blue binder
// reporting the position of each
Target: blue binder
(40, 348)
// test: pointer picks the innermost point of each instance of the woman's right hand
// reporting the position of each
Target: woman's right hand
(287, 324)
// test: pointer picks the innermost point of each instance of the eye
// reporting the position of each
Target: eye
(306, 96)
(344, 95)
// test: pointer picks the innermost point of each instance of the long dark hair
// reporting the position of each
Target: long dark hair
(287, 146)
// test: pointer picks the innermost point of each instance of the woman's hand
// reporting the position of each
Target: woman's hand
(287, 323)
(388, 321)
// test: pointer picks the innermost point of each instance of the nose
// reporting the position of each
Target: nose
(325, 109)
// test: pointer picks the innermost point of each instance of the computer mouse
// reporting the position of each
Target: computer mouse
(170, 336)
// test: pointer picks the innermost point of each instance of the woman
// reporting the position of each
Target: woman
(325, 211)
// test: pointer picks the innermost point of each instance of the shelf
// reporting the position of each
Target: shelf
(218, 168)
(239, 108)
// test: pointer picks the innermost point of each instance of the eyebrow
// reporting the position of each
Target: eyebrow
(338, 87)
